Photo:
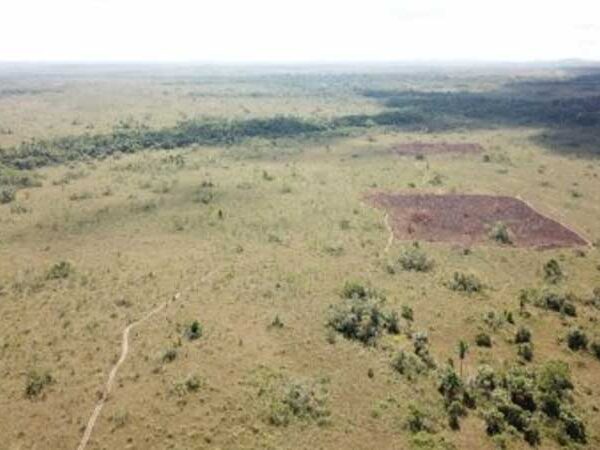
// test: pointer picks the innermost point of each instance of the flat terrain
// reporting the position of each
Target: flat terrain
(286, 309)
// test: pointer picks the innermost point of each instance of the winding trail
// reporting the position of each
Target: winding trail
(111, 377)
(113, 372)
(390, 240)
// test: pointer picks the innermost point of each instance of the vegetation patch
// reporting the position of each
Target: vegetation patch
(465, 282)
(414, 259)
(362, 316)
(36, 382)
(563, 303)
(60, 270)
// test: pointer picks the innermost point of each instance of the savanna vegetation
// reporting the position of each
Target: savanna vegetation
(231, 204)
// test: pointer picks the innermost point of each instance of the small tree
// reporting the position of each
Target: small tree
(463, 349)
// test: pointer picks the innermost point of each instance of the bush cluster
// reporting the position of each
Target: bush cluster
(300, 400)
(467, 283)
(499, 233)
(361, 315)
(563, 303)
(520, 399)
(413, 258)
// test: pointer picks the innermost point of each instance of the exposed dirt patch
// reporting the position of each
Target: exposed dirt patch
(426, 148)
(467, 219)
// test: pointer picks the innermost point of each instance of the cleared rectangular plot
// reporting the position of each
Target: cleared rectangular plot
(468, 219)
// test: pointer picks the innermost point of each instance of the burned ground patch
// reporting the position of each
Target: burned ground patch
(427, 148)
(469, 219)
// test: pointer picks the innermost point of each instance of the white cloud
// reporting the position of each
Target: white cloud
(280, 30)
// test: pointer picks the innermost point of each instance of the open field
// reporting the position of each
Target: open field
(292, 317)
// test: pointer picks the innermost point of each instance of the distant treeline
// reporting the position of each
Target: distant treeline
(495, 108)
(516, 105)
(39, 153)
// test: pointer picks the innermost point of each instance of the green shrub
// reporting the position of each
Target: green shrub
(36, 382)
(523, 335)
(550, 405)
(554, 301)
(467, 283)
(7, 195)
(455, 411)
(193, 331)
(299, 400)
(450, 385)
(418, 420)
(573, 427)
(483, 340)
(353, 289)
(413, 258)
(409, 365)
(553, 272)
(407, 313)
(554, 378)
(276, 322)
(532, 435)
(499, 233)
(169, 355)
(577, 339)
(60, 270)
(362, 318)
(525, 351)
(421, 347)
(191, 383)
(494, 422)
(486, 379)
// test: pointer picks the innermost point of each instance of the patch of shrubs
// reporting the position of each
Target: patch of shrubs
(36, 382)
(7, 195)
(552, 301)
(60, 271)
(595, 299)
(499, 233)
(483, 340)
(467, 283)
(169, 355)
(418, 420)
(414, 259)
(577, 339)
(191, 383)
(193, 331)
(301, 400)
(419, 362)
(523, 335)
(525, 351)
(521, 399)
(361, 315)
(553, 272)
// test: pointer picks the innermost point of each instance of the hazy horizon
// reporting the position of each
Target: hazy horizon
(267, 31)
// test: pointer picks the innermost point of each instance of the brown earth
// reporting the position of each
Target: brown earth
(424, 148)
(467, 219)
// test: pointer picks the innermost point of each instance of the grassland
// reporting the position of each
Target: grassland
(255, 238)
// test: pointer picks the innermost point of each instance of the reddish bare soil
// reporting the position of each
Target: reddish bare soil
(425, 148)
(467, 219)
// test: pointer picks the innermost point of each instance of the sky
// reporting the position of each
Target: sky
(299, 31)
